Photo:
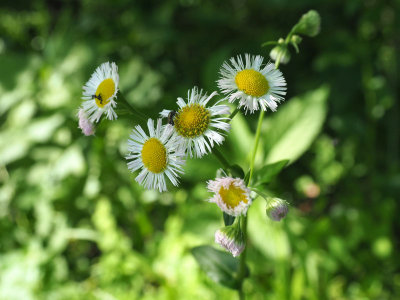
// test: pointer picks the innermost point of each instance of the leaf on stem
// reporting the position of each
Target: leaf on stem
(228, 219)
(220, 266)
(267, 173)
(237, 171)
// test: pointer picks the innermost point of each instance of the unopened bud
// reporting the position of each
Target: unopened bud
(281, 53)
(296, 39)
(309, 24)
(231, 238)
(277, 209)
(85, 124)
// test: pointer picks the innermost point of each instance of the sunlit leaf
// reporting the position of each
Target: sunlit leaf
(293, 128)
(268, 172)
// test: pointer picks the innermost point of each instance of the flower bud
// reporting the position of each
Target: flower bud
(309, 24)
(277, 209)
(231, 238)
(282, 52)
(85, 124)
(296, 39)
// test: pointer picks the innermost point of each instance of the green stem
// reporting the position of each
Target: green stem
(233, 114)
(137, 114)
(278, 60)
(287, 40)
(242, 263)
(257, 139)
(221, 158)
(242, 266)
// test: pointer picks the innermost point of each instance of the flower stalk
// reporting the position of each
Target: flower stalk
(242, 264)
(137, 114)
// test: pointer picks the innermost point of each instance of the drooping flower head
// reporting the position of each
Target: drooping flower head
(230, 194)
(231, 238)
(254, 85)
(277, 209)
(197, 125)
(85, 124)
(157, 155)
(100, 91)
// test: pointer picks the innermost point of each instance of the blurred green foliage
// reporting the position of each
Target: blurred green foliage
(75, 225)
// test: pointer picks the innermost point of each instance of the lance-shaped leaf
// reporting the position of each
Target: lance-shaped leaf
(220, 266)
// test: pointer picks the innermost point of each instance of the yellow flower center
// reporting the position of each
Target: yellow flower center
(154, 155)
(192, 120)
(252, 82)
(104, 92)
(232, 196)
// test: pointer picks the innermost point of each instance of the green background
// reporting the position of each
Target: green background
(75, 225)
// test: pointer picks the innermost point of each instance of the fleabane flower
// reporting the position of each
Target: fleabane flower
(254, 85)
(100, 91)
(198, 126)
(156, 154)
(230, 194)
(277, 208)
(85, 124)
(231, 238)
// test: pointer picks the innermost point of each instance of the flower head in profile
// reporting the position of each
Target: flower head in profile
(277, 209)
(100, 91)
(230, 194)
(255, 86)
(198, 126)
(85, 124)
(231, 238)
(156, 154)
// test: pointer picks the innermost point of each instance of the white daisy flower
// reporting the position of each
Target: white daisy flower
(253, 85)
(277, 209)
(230, 194)
(198, 127)
(100, 91)
(157, 154)
(85, 124)
(231, 238)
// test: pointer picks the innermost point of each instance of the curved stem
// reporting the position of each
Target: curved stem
(142, 117)
(221, 158)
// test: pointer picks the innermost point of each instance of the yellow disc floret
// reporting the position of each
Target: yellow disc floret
(232, 196)
(154, 155)
(104, 92)
(252, 82)
(192, 120)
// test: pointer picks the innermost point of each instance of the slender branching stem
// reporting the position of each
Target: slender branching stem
(137, 114)
(233, 114)
(221, 158)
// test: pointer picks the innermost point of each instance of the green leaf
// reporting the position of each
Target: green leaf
(220, 266)
(291, 130)
(268, 172)
(228, 219)
(237, 171)
(269, 43)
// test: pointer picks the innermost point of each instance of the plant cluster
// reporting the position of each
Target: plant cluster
(196, 127)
